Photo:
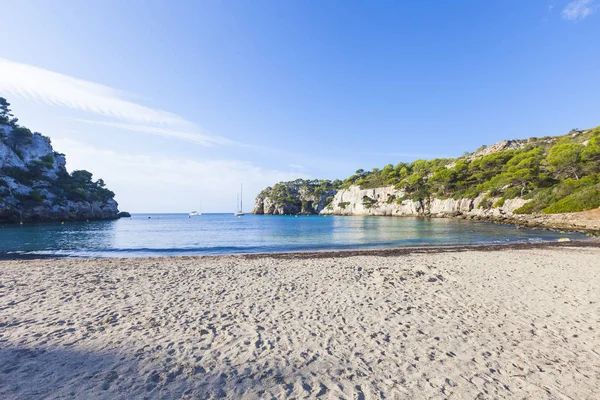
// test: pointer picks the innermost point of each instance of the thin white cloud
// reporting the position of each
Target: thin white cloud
(296, 166)
(161, 184)
(54, 89)
(578, 10)
(201, 139)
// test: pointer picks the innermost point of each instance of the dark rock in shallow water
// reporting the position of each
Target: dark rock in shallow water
(123, 214)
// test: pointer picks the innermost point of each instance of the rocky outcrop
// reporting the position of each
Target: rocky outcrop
(389, 201)
(35, 185)
(534, 177)
(296, 197)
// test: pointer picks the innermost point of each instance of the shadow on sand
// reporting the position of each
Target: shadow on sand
(65, 373)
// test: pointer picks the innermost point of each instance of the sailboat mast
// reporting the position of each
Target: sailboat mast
(241, 197)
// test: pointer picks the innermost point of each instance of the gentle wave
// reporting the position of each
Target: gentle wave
(224, 250)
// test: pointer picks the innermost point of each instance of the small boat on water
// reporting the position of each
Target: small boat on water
(239, 207)
(194, 214)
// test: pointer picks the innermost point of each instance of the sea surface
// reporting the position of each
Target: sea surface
(209, 234)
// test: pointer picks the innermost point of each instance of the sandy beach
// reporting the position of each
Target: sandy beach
(489, 323)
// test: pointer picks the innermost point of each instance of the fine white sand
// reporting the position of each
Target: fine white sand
(473, 324)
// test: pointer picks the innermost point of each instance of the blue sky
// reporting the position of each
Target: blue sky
(174, 104)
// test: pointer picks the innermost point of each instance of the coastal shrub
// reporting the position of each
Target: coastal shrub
(542, 198)
(485, 203)
(591, 155)
(368, 202)
(36, 196)
(500, 202)
(81, 176)
(391, 199)
(343, 204)
(564, 159)
(509, 193)
(581, 200)
(20, 136)
(6, 116)
(470, 193)
(47, 161)
(25, 176)
(526, 208)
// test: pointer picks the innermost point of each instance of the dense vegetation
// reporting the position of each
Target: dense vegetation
(77, 186)
(283, 192)
(559, 174)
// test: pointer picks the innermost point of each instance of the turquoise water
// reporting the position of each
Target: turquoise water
(176, 234)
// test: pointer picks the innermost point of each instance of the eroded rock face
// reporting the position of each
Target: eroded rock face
(498, 147)
(384, 201)
(68, 211)
(298, 200)
(30, 174)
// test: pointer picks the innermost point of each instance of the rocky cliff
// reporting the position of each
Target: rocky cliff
(296, 197)
(35, 185)
(525, 181)
(391, 201)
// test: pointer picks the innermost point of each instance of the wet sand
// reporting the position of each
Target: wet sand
(490, 322)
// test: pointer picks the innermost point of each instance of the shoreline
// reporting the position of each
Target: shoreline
(401, 251)
(327, 253)
(548, 222)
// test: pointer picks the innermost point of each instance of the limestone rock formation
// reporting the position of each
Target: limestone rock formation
(296, 197)
(35, 185)
(390, 201)
(528, 182)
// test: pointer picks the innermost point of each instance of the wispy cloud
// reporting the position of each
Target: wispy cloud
(146, 183)
(55, 89)
(198, 138)
(578, 9)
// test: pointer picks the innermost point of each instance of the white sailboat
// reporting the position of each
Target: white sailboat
(195, 213)
(240, 199)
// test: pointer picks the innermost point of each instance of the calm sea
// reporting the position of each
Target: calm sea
(176, 234)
